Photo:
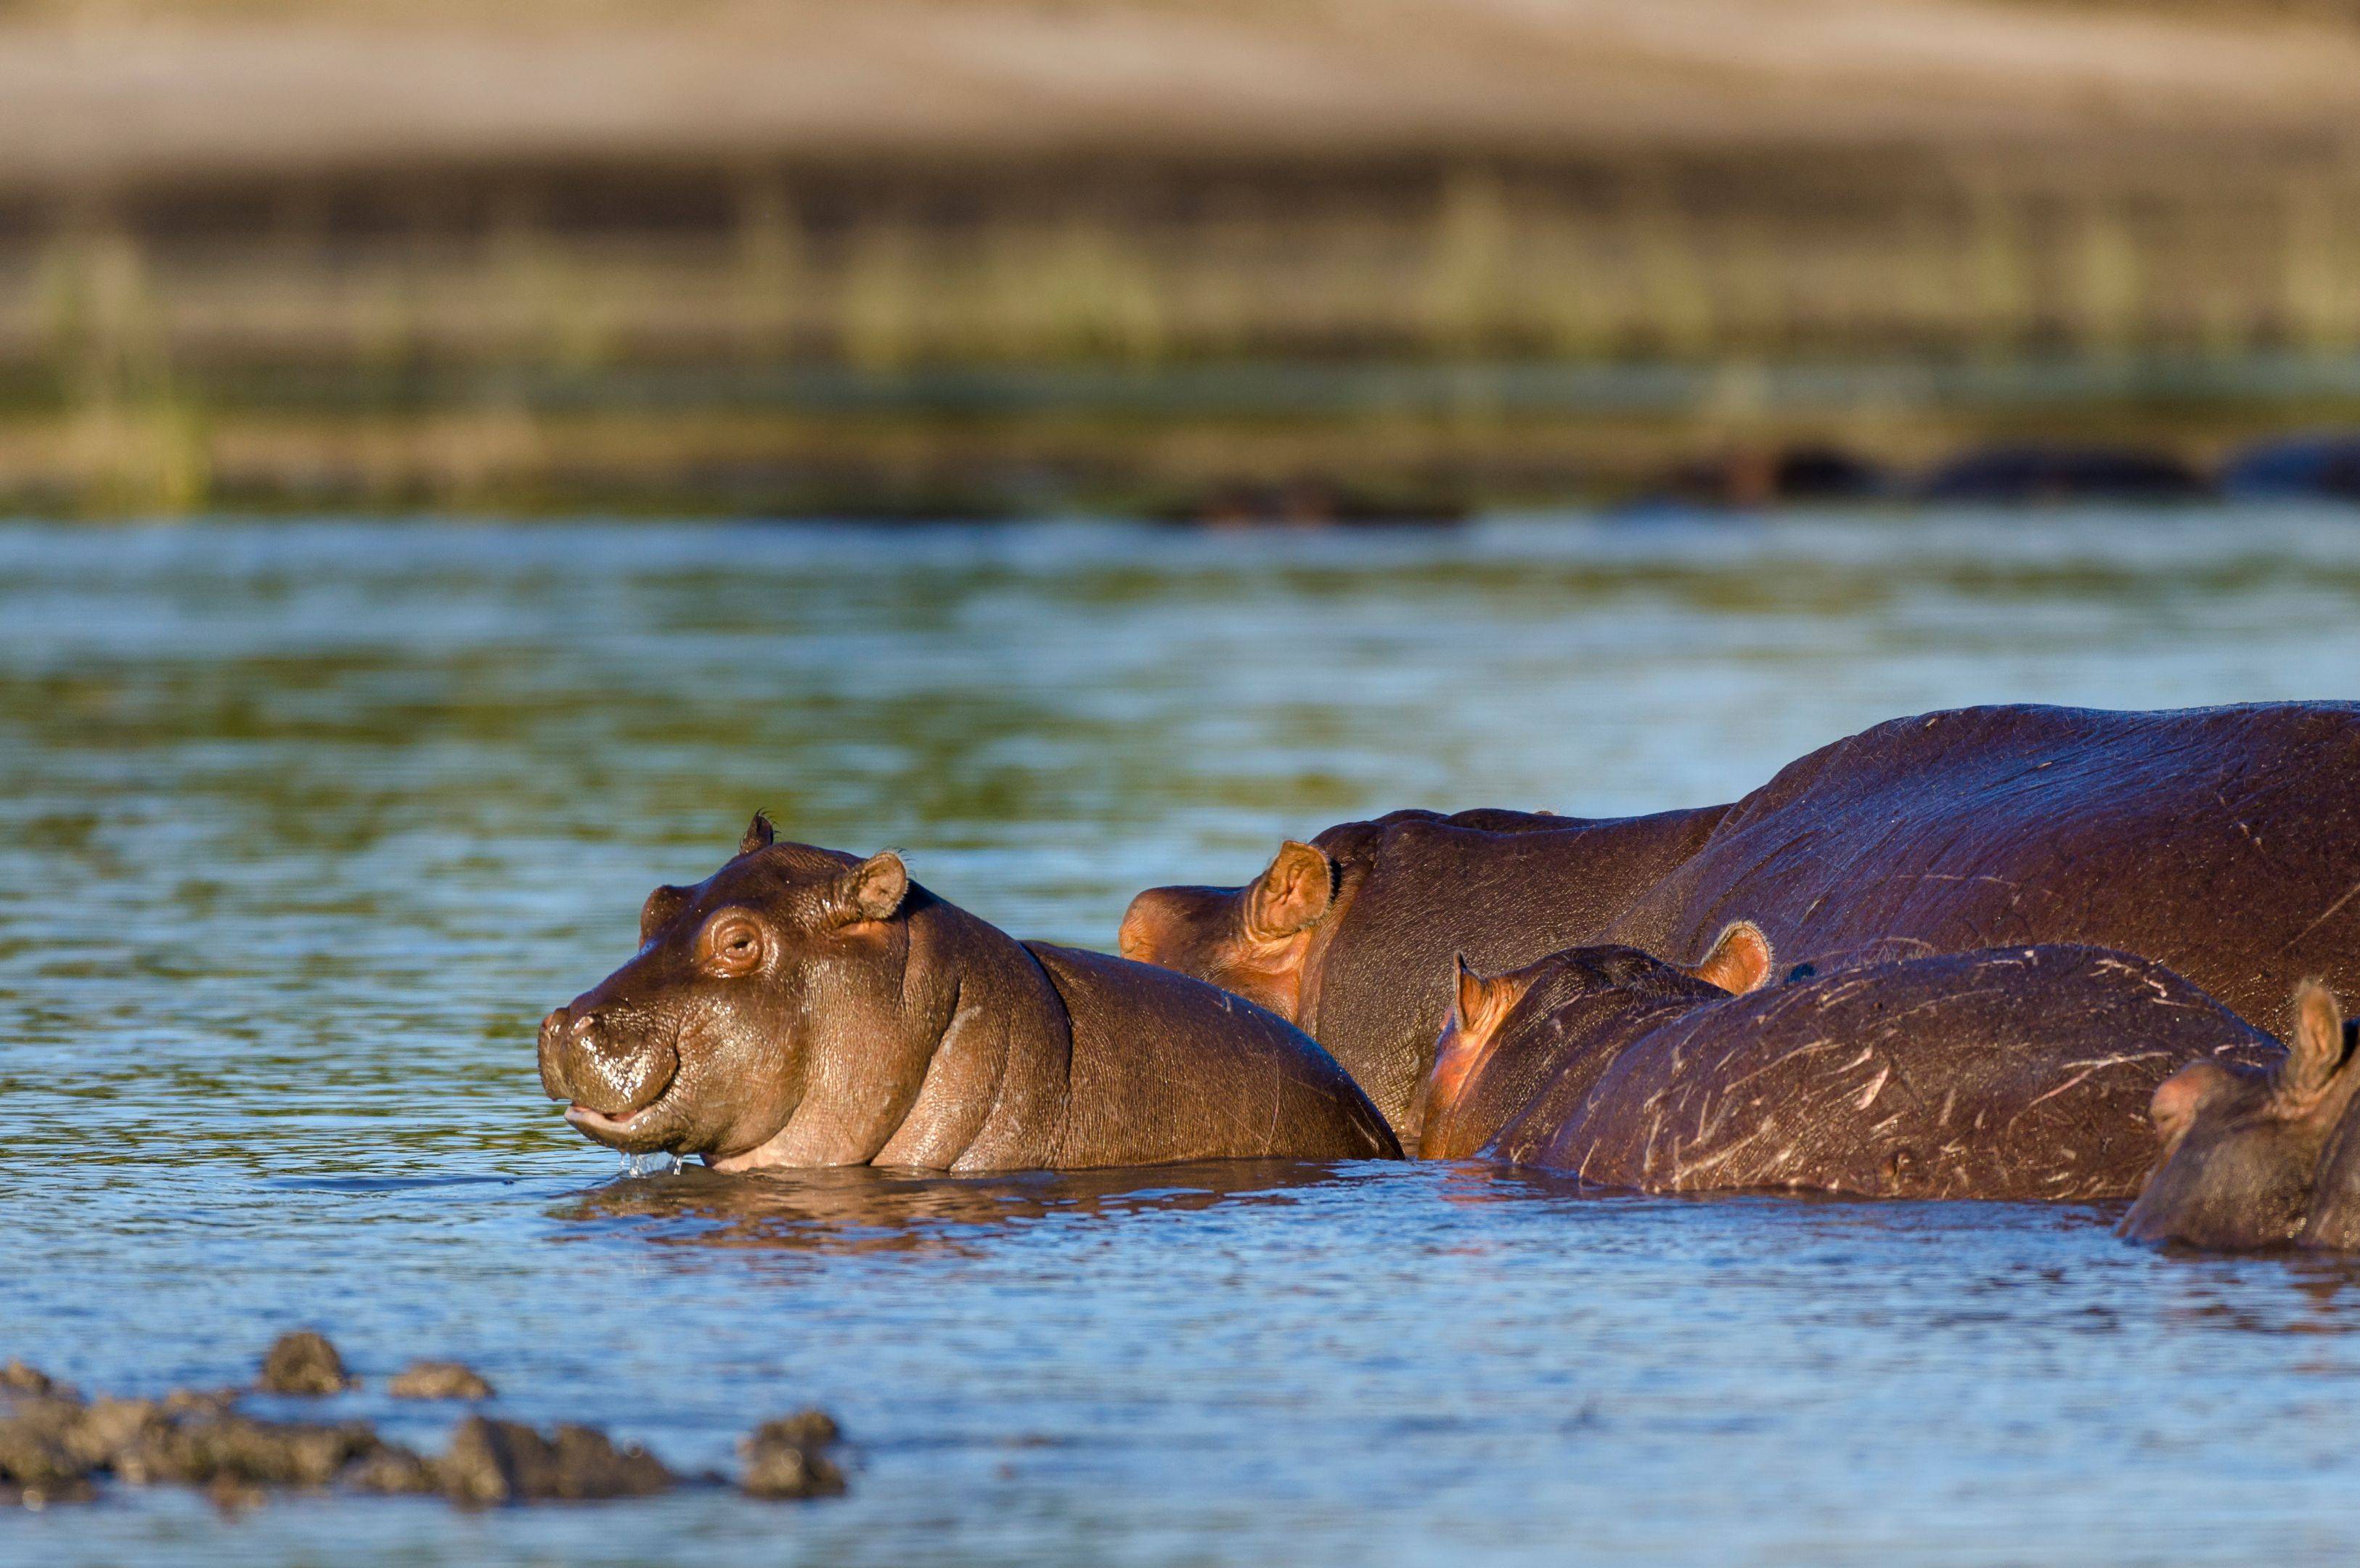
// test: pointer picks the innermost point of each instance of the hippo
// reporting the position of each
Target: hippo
(2015, 1074)
(2255, 1157)
(802, 1007)
(1351, 935)
(2222, 841)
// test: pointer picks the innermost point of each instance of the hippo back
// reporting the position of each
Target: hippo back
(2021, 1073)
(1166, 1068)
(2222, 841)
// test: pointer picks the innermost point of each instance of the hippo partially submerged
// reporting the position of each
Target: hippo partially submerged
(2222, 842)
(2259, 1157)
(2017, 1073)
(802, 1007)
(1352, 934)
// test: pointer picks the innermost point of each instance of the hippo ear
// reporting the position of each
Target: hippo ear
(874, 889)
(760, 834)
(1467, 996)
(2314, 1049)
(2178, 1098)
(1740, 961)
(1292, 893)
(1476, 1004)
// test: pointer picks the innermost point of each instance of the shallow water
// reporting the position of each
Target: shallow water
(303, 828)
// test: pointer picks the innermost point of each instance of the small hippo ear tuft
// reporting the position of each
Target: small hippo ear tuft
(1741, 959)
(2315, 1048)
(760, 834)
(873, 890)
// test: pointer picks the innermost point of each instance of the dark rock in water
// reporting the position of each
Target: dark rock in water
(16, 1377)
(2026, 475)
(303, 1363)
(1757, 477)
(507, 1462)
(53, 1446)
(35, 1452)
(2324, 466)
(440, 1380)
(201, 1449)
(788, 1457)
(103, 1432)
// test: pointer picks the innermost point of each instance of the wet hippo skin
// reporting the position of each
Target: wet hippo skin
(803, 1007)
(1352, 935)
(2223, 842)
(2021, 1073)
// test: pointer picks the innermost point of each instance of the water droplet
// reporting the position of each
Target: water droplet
(663, 1163)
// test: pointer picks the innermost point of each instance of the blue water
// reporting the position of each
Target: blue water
(302, 827)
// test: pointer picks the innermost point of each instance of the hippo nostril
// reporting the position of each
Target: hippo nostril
(580, 1027)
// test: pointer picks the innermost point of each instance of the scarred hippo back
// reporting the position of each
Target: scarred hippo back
(2019, 1073)
(2222, 842)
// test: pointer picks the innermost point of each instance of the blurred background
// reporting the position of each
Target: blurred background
(1298, 259)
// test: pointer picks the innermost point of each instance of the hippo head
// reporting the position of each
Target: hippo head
(1507, 1033)
(779, 976)
(1254, 942)
(2242, 1145)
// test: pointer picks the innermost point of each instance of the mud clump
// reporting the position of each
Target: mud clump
(16, 1377)
(303, 1363)
(55, 1446)
(440, 1380)
(788, 1458)
(507, 1462)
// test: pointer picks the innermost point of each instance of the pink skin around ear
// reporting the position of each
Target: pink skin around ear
(2177, 1098)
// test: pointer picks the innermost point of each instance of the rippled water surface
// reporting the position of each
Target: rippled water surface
(303, 828)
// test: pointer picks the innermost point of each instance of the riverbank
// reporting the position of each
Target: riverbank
(1142, 254)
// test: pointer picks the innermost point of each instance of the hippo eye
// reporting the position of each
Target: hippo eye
(732, 945)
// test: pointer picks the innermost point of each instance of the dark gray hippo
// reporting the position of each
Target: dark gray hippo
(2020, 1074)
(2224, 843)
(802, 1007)
(2257, 1155)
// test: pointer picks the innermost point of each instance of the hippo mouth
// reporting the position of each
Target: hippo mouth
(638, 1130)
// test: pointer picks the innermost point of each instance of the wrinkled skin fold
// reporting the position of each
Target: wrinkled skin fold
(805, 1007)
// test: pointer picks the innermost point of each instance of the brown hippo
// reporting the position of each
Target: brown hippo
(802, 1007)
(2259, 1157)
(2222, 841)
(2015, 1074)
(1352, 935)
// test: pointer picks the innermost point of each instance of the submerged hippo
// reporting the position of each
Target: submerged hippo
(2018, 1073)
(1352, 934)
(802, 1007)
(2258, 1157)
(2222, 841)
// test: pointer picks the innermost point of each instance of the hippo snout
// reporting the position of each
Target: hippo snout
(1156, 927)
(610, 1068)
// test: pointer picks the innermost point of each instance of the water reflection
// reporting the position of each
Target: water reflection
(861, 1209)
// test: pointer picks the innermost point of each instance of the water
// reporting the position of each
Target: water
(302, 829)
